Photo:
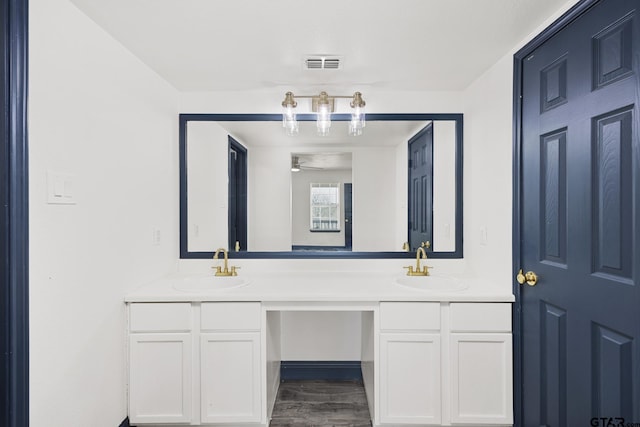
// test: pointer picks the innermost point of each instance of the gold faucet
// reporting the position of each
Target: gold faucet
(226, 271)
(419, 272)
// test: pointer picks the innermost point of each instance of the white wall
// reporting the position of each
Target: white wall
(269, 100)
(488, 167)
(269, 207)
(324, 335)
(444, 186)
(401, 195)
(488, 174)
(207, 186)
(374, 186)
(98, 113)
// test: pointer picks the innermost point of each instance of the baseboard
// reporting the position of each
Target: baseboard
(125, 423)
(320, 370)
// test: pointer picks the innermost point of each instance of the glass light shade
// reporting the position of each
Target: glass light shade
(291, 127)
(323, 122)
(355, 127)
(358, 114)
(289, 121)
(357, 121)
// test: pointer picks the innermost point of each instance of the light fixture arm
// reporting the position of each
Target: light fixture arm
(322, 98)
(324, 105)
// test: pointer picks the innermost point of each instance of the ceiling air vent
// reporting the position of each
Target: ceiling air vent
(331, 64)
(322, 63)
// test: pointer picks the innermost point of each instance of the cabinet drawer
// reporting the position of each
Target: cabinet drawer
(160, 317)
(230, 316)
(481, 317)
(410, 316)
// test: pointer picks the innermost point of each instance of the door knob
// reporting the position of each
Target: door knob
(530, 278)
(426, 244)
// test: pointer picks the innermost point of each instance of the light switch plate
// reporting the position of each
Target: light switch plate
(60, 188)
(156, 236)
(483, 236)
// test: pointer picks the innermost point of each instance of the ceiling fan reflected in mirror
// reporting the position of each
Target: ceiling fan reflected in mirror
(297, 165)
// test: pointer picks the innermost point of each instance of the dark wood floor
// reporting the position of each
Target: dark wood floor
(321, 403)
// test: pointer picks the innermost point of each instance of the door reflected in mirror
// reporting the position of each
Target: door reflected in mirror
(365, 196)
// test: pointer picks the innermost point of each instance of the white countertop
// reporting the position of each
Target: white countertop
(319, 286)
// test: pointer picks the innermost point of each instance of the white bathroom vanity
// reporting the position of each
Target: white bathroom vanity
(206, 351)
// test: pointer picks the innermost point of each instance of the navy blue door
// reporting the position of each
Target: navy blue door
(421, 189)
(14, 216)
(237, 196)
(580, 221)
(348, 216)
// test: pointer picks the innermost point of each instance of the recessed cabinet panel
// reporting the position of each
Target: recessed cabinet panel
(481, 379)
(231, 316)
(410, 378)
(160, 378)
(396, 316)
(230, 377)
(160, 317)
(480, 317)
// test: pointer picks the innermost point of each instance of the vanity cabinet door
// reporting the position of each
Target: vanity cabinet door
(410, 378)
(160, 378)
(230, 372)
(481, 364)
(481, 378)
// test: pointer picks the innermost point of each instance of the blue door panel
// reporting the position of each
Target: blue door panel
(612, 364)
(553, 351)
(421, 188)
(580, 220)
(612, 203)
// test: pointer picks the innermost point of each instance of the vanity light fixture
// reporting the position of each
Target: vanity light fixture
(289, 121)
(323, 105)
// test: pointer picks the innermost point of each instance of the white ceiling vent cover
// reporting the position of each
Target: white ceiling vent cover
(317, 62)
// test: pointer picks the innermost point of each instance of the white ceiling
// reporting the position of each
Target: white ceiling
(214, 45)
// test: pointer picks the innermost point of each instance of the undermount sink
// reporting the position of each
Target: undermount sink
(431, 283)
(210, 283)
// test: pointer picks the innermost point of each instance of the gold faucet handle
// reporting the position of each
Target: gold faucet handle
(409, 270)
(217, 268)
(233, 270)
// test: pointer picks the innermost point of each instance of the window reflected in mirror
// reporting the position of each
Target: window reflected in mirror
(321, 201)
(325, 207)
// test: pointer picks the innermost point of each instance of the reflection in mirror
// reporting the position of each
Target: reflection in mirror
(321, 201)
(378, 200)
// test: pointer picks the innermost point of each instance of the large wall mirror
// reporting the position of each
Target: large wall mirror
(247, 186)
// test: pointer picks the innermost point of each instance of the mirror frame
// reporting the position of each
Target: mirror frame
(184, 251)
